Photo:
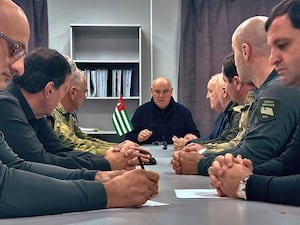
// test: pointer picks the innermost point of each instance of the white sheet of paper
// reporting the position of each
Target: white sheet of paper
(196, 193)
(151, 203)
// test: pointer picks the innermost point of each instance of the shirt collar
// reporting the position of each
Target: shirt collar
(16, 91)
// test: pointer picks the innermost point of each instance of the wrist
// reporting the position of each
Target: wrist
(241, 190)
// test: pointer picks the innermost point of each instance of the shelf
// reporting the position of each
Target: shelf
(113, 98)
(100, 50)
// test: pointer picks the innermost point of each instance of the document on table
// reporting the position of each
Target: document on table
(154, 203)
(196, 193)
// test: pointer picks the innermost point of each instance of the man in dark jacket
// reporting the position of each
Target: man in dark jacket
(27, 188)
(278, 179)
(274, 117)
(162, 118)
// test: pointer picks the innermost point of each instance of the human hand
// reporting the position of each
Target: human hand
(189, 161)
(231, 179)
(190, 136)
(192, 147)
(175, 161)
(104, 176)
(178, 143)
(131, 189)
(144, 135)
(128, 143)
(216, 170)
(126, 157)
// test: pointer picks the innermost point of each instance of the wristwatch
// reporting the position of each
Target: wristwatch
(241, 190)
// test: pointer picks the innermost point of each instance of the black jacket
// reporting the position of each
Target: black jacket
(176, 119)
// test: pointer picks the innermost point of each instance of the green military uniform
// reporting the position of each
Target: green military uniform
(244, 110)
(65, 126)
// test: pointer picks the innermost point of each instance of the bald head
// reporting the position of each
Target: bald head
(12, 17)
(161, 91)
(14, 25)
(251, 51)
(161, 80)
(252, 32)
(213, 89)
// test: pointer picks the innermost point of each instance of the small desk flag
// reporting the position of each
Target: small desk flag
(120, 119)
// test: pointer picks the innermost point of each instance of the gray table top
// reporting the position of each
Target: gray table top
(180, 211)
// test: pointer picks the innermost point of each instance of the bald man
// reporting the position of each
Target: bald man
(274, 116)
(162, 118)
(15, 35)
(279, 178)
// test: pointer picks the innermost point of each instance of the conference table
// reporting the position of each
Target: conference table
(181, 211)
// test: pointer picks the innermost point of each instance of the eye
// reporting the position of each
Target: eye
(282, 45)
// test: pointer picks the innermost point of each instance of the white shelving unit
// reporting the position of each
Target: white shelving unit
(107, 46)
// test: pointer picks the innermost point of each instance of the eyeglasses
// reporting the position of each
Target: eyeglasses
(16, 50)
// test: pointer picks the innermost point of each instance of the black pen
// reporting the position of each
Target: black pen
(141, 163)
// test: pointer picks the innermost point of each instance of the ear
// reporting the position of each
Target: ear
(48, 89)
(246, 51)
(238, 82)
(71, 92)
(224, 92)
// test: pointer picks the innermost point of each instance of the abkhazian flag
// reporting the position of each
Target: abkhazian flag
(120, 119)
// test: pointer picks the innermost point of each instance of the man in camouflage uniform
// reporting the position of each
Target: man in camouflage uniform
(64, 123)
(241, 93)
(275, 117)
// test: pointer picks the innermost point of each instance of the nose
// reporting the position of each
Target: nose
(17, 66)
(207, 95)
(274, 58)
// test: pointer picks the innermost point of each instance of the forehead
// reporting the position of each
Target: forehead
(281, 28)
(161, 85)
(14, 24)
(211, 85)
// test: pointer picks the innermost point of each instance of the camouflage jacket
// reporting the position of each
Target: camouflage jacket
(245, 111)
(65, 126)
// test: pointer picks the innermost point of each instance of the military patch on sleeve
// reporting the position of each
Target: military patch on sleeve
(267, 109)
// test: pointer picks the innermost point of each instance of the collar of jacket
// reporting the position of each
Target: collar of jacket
(171, 106)
(15, 91)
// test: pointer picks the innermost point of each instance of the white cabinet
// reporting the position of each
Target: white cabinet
(101, 50)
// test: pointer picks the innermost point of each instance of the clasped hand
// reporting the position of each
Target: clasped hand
(186, 160)
(125, 155)
(226, 172)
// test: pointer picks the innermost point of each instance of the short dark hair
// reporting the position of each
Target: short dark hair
(289, 7)
(42, 66)
(229, 68)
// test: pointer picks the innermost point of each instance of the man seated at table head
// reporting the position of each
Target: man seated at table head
(161, 118)
(279, 178)
(272, 108)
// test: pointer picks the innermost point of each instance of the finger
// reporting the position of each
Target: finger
(174, 138)
(116, 148)
(239, 159)
(248, 164)
(140, 150)
(229, 160)
(129, 153)
(216, 169)
(215, 181)
(220, 192)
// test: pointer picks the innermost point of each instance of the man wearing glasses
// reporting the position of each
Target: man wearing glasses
(29, 189)
(14, 33)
